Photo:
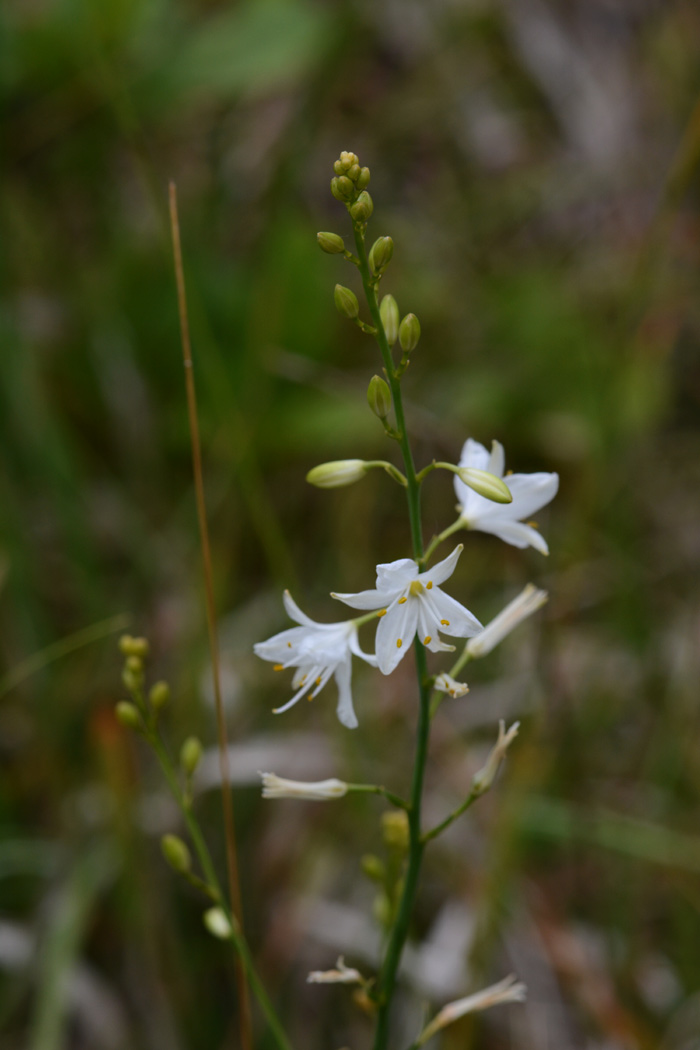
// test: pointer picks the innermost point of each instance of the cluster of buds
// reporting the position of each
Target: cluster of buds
(137, 713)
(349, 185)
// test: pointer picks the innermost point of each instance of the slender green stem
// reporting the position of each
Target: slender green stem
(437, 540)
(376, 789)
(397, 938)
(439, 828)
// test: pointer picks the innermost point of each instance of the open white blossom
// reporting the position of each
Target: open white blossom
(319, 790)
(483, 780)
(509, 990)
(527, 602)
(411, 601)
(317, 651)
(530, 493)
(342, 975)
(444, 683)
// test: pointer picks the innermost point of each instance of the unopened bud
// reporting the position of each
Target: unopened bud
(128, 715)
(363, 179)
(389, 312)
(134, 664)
(332, 243)
(354, 172)
(190, 754)
(486, 484)
(337, 473)
(373, 867)
(134, 646)
(159, 695)
(363, 207)
(409, 333)
(176, 853)
(379, 397)
(338, 167)
(218, 925)
(347, 159)
(382, 910)
(395, 829)
(380, 254)
(345, 188)
(346, 302)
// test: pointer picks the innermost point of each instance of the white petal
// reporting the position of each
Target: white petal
(530, 493)
(308, 683)
(345, 710)
(362, 600)
(474, 455)
(354, 647)
(428, 630)
(395, 576)
(516, 533)
(281, 647)
(443, 570)
(451, 617)
(497, 459)
(398, 626)
(294, 612)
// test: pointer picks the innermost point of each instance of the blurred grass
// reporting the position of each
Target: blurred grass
(537, 168)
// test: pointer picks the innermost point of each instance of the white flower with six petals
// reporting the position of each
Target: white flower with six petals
(317, 651)
(530, 492)
(411, 601)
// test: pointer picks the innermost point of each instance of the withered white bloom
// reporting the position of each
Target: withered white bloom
(320, 790)
(527, 602)
(483, 780)
(342, 975)
(317, 651)
(411, 601)
(530, 493)
(444, 683)
(509, 990)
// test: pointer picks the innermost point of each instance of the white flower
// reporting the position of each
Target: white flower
(527, 602)
(444, 683)
(411, 601)
(317, 651)
(483, 780)
(530, 492)
(509, 990)
(342, 975)
(278, 787)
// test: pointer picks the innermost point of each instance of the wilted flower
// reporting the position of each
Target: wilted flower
(444, 683)
(320, 790)
(509, 990)
(483, 780)
(342, 975)
(527, 602)
(411, 601)
(317, 651)
(530, 493)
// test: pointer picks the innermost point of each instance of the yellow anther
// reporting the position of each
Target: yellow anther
(402, 601)
(427, 639)
(416, 588)
(429, 585)
(289, 645)
(508, 473)
(279, 667)
(445, 623)
(533, 524)
(399, 643)
(318, 681)
(382, 612)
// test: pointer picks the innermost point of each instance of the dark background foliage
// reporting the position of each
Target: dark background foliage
(536, 164)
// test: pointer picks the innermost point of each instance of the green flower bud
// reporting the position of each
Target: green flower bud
(176, 853)
(337, 473)
(380, 254)
(395, 829)
(134, 664)
(190, 754)
(379, 397)
(486, 484)
(409, 333)
(345, 188)
(131, 679)
(363, 179)
(363, 207)
(134, 646)
(347, 160)
(335, 190)
(128, 715)
(338, 167)
(332, 243)
(218, 925)
(389, 312)
(382, 910)
(346, 302)
(373, 867)
(354, 172)
(159, 695)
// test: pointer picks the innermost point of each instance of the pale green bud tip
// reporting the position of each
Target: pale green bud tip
(128, 715)
(218, 925)
(347, 160)
(362, 208)
(337, 473)
(134, 646)
(379, 397)
(346, 302)
(332, 243)
(190, 754)
(486, 484)
(363, 179)
(409, 333)
(395, 829)
(389, 312)
(380, 254)
(159, 694)
(176, 853)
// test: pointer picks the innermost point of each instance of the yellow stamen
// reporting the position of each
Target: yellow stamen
(278, 667)
(508, 473)
(445, 623)
(289, 645)
(427, 639)
(416, 588)
(533, 524)
(399, 643)
(382, 612)
(429, 585)
(402, 601)
(318, 681)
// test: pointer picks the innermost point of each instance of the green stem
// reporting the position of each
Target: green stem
(437, 540)
(397, 938)
(376, 789)
(434, 832)
(211, 877)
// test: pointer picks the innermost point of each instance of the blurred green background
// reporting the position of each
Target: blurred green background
(536, 163)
